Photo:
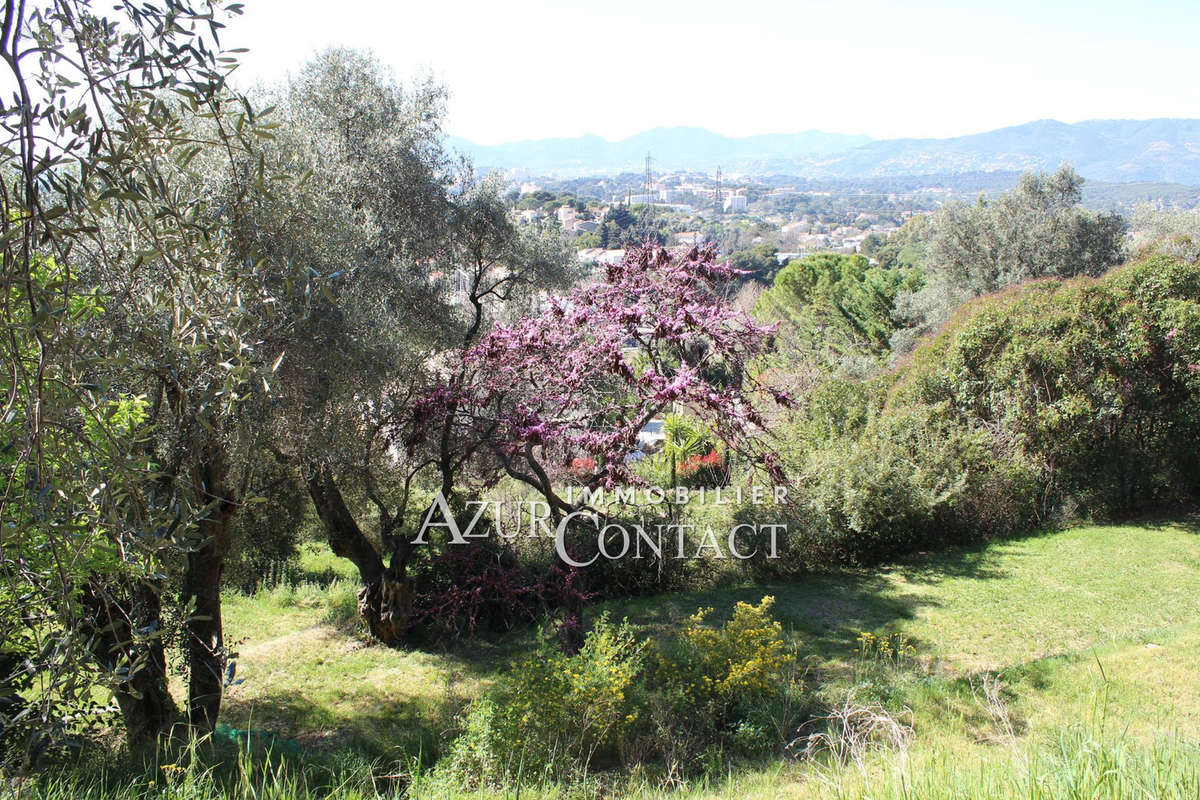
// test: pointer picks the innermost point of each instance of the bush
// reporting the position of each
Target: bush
(708, 470)
(724, 669)
(909, 480)
(554, 712)
(1096, 380)
(1050, 400)
(730, 689)
(465, 588)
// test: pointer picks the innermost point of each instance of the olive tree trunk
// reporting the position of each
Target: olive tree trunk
(385, 599)
(146, 705)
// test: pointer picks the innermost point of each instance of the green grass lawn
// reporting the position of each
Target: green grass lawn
(1087, 623)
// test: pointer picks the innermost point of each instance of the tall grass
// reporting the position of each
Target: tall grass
(1080, 764)
(1077, 766)
(338, 598)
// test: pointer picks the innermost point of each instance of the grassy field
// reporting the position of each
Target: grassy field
(1093, 633)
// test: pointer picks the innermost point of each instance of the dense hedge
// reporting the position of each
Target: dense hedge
(1098, 378)
(1052, 399)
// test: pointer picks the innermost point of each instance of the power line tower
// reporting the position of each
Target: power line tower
(649, 177)
(647, 187)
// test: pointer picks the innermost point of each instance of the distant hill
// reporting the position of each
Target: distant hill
(671, 148)
(1118, 151)
(1106, 150)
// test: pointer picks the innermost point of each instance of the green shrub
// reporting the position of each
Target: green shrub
(727, 667)
(1098, 380)
(1050, 400)
(908, 480)
(554, 712)
(712, 691)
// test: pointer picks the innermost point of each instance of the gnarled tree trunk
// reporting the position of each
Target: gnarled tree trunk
(385, 599)
(386, 607)
(146, 705)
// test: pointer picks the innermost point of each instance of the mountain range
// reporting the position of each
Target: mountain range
(1103, 150)
(671, 148)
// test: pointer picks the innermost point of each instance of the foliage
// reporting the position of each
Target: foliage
(581, 379)
(554, 712)
(465, 588)
(908, 480)
(894, 649)
(1037, 230)
(709, 469)
(1174, 233)
(687, 442)
(724, 670)
(1045, 401)
(732, 687)
(905, 247)
(759, 262)
(427, 261)
(127, 361)
(836, 303)
(1098, 380)
(851, 730)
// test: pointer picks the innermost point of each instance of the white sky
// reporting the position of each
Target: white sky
(529, 69)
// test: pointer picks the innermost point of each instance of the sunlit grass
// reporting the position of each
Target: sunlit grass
(1093, 633)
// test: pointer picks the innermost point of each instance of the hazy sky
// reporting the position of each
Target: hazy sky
(528, 69)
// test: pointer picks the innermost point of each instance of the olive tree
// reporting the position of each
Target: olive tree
(415, 257)
(1038, 230)
(127, 336)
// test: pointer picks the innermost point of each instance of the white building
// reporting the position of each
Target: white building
(735, 204)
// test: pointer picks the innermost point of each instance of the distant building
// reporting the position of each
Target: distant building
(589, 255)
(610, 257)
(735, 204)
(689, 238)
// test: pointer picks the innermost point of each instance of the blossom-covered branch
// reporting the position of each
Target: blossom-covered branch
(581, 379)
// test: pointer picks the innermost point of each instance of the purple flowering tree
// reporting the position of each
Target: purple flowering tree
(572, 384)
(578, 382)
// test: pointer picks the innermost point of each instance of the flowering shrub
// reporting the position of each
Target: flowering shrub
(583, 466)
(731, 666)
(732, 687)
(894, 649)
